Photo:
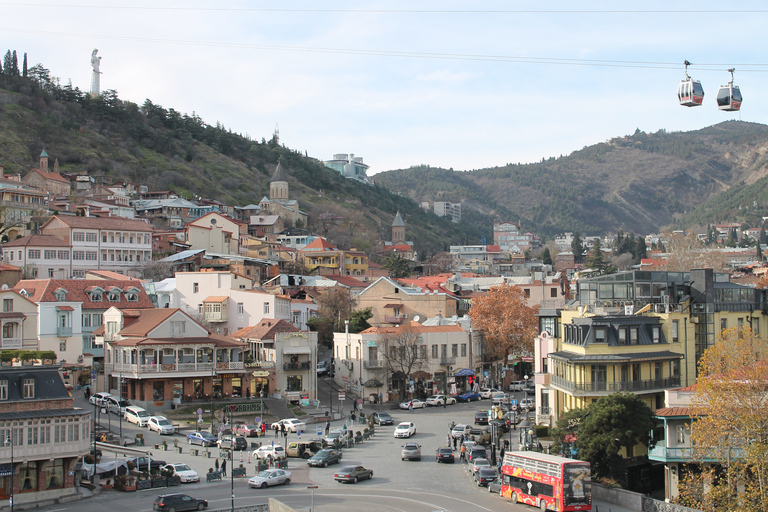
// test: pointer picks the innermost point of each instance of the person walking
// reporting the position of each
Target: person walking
(454, 443)
(448, 440)
(463, 453)
(224, 467)
(263, 429)
(410, 406)
(285, 431)
(445, 401)
(277, 430)
(217, 464)
(327, 426)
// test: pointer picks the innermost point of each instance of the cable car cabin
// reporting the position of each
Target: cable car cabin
(690, 93)
(729, 98)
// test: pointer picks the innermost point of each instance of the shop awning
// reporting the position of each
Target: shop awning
(465, 372)
(372, 383)
(392, 306)
(297, 350)
(420, 375)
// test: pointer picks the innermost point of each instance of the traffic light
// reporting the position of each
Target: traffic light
(471, 380)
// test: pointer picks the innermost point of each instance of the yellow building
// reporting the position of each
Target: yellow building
(323, 258)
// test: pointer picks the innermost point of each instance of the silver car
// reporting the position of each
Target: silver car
(411, 451)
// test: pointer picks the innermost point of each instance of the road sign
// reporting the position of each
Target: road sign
(342, 395)
(232, 408)
(199, 411)
(258, 419)
(514, 407)
(514, 402)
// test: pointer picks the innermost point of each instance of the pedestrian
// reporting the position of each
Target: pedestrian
(445, 401)
(353, 417)
(462, 438)
(217, 464)
(327, 426)
(263, 429)
(463, 452)
(381, 398)
(248, 393)
(277, 430)
(448, 440)
(454, 443)
(410, 406)
(285, 431)
(224, 467)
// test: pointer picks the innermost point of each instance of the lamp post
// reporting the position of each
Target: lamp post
(9, 441)
(93, 455)
(119, 405)
(231, 458)
(213, 369)
(312, 488)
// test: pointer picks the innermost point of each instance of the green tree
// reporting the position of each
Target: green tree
(595, 256)
(577, 248)
(358, 321)
(613, 422)
(15, 64)
(336, 305)
(759, 254)
(398, 267)
(546, 257)
(24, 67)
(763, 237)
(8, 63)
(324, 329)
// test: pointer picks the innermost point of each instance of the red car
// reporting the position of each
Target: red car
(243, 429)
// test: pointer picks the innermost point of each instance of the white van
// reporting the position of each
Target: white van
(136, 415)
(517, 385)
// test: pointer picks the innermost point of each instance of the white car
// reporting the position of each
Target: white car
(187, 474)
(291, 424)
(439, 399)
(267, 451)
(270, 477)
(160, 424)
(479, 464)
(100, 399)
(460, 429)
(405, 429)
(487, 393)
(417, 404)
(500, 398)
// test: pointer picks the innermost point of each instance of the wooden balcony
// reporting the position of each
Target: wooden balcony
(607, 388)
(173, 369)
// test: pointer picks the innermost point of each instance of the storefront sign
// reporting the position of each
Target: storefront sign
(260, 374)
(228, 375)
(159, 404)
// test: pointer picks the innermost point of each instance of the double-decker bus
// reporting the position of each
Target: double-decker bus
(546, 481)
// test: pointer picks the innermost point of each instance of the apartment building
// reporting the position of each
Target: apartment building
(394, 303)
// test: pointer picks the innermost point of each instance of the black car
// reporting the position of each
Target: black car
(445, 454)
(484, 476)
(481, 418)
(142, 463)
(178, 502)
(383, 418)
(325, 457)
(477, 452)
(353, 474)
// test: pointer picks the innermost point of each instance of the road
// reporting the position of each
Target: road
(408, 486)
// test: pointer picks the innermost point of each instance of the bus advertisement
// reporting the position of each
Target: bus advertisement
(546, 481)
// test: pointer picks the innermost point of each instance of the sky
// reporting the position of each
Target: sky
(453, 84)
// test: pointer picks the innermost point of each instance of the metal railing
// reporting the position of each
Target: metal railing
(174, 367)
(447, 360)
(297, 366)
(613, 387)
(374, 363)
(63, 332)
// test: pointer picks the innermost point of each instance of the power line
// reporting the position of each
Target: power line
(742, 67)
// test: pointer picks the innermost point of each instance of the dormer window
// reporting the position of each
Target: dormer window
(132, 296)
(28, 388)
(24, 293)
(114, 295)
(61, 295)
(97, 297)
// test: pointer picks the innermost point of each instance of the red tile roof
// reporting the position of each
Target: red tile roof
(148, 320)
(43, 290)
(674, 411)
(219, 341)
(347, 281)
(319, 244)
(115, 223)
(50, 175)
(265, 330)
(110, 275)
(37, 241)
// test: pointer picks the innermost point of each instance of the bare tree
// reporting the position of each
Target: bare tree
(404, 351)
(336, 305)
(687, 252)
(156, 270)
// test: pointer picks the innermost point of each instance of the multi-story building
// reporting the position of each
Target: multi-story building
(19, 203)
(215, 233)
(172, 213)
(19, 322)
(322, 258)
(50, 182)
(510, 237)
(117, 244)
(445, 209)
(43, 436)
(162, 356)
(475, 258)
(393, 303)
(42, 255)
(350, 166)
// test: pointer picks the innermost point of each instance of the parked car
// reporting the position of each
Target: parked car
(267, 451)
(160, 424)
(481, 418)
(233, 443)
(468, 396)
(405, 429)
(143, 463)
(476, 452)
(99, 399)
(485, 476)
(353, 474)
(383, 418)
(325, 457)
(478, 464)
(460, 429)
(487, 392)
(440, 400)
(417, 404)
(117, 405)
(339, 435)
(184, 472)
(270, 477)
(305, 449)
(517, 385)
(291, 424)
(526, 404)
(243, 429)
(500, 398)
(202, 438)
(495, 486)
(445, 454)
(179, 502)
(322, 368)
(136, 415)
(411, 451)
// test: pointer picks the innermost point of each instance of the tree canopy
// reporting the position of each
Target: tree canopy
(403, 350)
(507, 322)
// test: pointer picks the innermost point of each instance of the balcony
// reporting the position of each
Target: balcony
(10, 343)
(545, 410)
(63, 332)
(445, 360)
(193, 369)
(373, 364)
(606, 388)
(260, 364)
(395, 319)
(294, 367)
(664, 454)
(216, 316)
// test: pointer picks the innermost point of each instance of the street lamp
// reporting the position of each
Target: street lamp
(93, 455)
(232, 409)
(213, 369)
(312, 488)
(9, 441)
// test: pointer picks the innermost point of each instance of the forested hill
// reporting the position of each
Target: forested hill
(639, 183)
(114, 140)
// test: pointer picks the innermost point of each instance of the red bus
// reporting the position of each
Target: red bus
(546, 481)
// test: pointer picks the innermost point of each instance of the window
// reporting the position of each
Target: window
(7, 305)
(434, 351)
(114, 296)
(91, 237)
(240, 308)
(266, 308)
(674, 368)
(63, 255)
(723, 324)
(294, 383)
(455, 350)
(3, 390)
(62, 345)
(527, 292)
(553, 293)
(675, 331)
(132, 297)
(200, 309)
(657, 370)
(104, 238)
(633, 336)
(29, 388)
(33, 254)
(78, 236)
(756, 326)
(656, 333)
(78, 255)
(49, 255)
(622, 336)
(91, 255)
(96, 297)
(61, 295)
(178, 327)
(680, 431)
(9, 330)
(600, 335)
(195, 287)
(463, 350)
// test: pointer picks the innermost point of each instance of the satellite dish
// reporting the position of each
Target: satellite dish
(415, 317)
(5, 287)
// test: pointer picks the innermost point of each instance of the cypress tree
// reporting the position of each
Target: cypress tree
(24, 68)
(15, 64)
(577, 248)
(8, 62)
(546, 256)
